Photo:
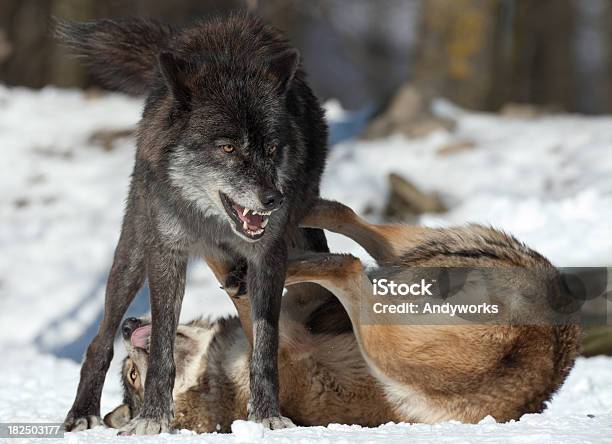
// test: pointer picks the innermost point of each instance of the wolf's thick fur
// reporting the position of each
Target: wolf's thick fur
(375, 373)
(231, 147)
(121, 53)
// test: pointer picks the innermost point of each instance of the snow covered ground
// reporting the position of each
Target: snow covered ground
(547, 180)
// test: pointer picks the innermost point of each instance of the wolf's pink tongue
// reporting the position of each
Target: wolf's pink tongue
(140, 336)
(253, 220)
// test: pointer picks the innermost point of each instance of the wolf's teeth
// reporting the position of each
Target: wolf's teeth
(245, 226)
(264, 223)
(245, 211)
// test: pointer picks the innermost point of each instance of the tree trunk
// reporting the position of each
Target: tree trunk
(605, 90)
(30, 56)
(24, 25)
(482, 54)
(456, 54)
(541, 68)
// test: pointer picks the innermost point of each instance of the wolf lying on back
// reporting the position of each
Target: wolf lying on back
(370, 374)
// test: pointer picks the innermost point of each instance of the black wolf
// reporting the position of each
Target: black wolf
(231, 148)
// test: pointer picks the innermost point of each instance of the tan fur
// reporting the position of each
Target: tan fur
(221, 269)
(455, 372)
(382, 242)
(392, 372)
(323, 380)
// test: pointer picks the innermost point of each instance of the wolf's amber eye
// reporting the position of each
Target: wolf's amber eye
(227, 148)
(133, 374)
(272, 149)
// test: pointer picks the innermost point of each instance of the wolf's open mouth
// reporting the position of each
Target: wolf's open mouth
(251, 223)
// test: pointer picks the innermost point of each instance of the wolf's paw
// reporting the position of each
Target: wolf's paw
(145, 426)
(275, 422)
(235, 283)
(78, 423)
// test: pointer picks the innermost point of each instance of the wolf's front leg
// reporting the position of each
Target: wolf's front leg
(125, 279)
(265, 281)
(166, 270)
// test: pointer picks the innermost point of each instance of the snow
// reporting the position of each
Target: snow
(40, 388)
(246, 431)
(547, 180)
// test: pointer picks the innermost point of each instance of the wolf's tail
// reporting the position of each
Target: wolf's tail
(121, 53)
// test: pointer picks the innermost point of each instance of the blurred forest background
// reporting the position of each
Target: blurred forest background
(481, 54)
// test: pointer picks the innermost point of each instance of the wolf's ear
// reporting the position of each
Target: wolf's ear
(282, 68)
(119, 417)
(175, 69)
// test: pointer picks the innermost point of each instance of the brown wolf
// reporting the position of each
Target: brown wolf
(369, 374)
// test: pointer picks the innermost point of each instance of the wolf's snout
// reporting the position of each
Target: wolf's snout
(271, 199)
(128, 327)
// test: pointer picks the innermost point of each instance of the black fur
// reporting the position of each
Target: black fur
(227, 83)
(121, 53)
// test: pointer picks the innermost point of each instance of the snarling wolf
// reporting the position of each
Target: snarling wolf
(370, 374)
(231, 148)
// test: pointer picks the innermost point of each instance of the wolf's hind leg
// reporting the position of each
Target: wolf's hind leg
(342, 274)
(384, 242)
